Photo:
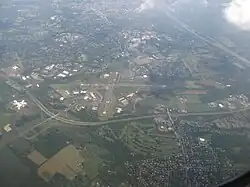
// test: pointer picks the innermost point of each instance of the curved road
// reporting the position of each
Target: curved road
(81, 123)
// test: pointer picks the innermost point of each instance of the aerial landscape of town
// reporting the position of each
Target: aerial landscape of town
(125, 93)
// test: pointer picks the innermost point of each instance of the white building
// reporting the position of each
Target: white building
(124, 102)
(61, 75)
(15, 67)
(93, 95)
(221, 105)
(118, 110)
(20, 104)
(83, 91)
(50, 67)
(202, 139)
(106, 75)
(7, 128)
(94, 108)
(65, 72)
(76, 92)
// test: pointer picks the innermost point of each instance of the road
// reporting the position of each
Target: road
(22, 132)
(49, 113)
(179, 140)
(207, 40)
(126, 85)
(14, 135)
(81, 123)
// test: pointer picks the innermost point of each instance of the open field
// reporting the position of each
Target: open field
(97, 150)
(6, 93)
(193, 98)
(191, 63)
(194, 92)
(36, 157)
(66, 162)
(199, 107)
(49, 144)
(21, 146)
(13, 171)
(91, 163)
(192, 85)
(5, 119)
(140, 142)
(124, 90)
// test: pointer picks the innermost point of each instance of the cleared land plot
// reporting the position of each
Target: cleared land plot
(36, 157)
(199, 107)
(141, 60)
(194, 92)
(193, 98)
(67, 162)
(192, 85)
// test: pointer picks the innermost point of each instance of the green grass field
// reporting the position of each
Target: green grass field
(5, 119)
(146, 144)
(199, 107)
(124, 90)
(91, 163)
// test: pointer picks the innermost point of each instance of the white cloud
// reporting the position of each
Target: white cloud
(147, 4)
(237, 12)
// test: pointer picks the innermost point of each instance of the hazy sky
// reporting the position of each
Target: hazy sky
(236, 12)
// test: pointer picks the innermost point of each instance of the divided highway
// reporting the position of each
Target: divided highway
(81, 123)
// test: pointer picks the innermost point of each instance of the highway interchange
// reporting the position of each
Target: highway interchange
(81, 123)
(22, 132)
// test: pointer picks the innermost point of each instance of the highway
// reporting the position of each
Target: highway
(207, 40)
(126, 85)
(81, 123)
(8, 139)
(49, 113)
(12, 136)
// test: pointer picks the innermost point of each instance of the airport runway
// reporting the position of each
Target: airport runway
(81, 123)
